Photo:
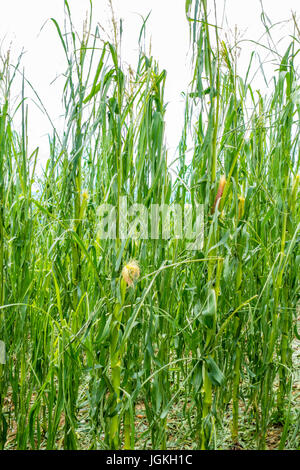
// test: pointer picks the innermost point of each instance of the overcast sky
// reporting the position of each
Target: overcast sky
(21, 22)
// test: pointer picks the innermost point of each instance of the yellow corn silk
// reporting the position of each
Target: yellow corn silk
(131, 272)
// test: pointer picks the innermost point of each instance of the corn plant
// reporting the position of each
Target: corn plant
(140, 341)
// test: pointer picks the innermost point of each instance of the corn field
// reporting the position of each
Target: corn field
(143, 343)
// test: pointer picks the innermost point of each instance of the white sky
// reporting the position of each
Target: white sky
(21, 22)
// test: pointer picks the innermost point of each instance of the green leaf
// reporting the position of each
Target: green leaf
(215, 374)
